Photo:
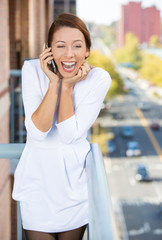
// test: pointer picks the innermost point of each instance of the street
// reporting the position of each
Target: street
(137, 205)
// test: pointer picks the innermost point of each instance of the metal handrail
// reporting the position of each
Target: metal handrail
(101, 225)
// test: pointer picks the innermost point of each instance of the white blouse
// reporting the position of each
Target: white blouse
(50, 178)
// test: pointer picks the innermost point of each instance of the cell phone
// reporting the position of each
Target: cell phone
(52, 65)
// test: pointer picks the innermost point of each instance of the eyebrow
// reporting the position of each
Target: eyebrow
(73, 41)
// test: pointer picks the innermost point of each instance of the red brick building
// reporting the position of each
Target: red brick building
(143, 22)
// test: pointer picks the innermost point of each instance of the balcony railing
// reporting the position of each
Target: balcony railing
(102, 224)
(16, 110)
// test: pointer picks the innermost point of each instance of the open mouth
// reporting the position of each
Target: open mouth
(68, 66)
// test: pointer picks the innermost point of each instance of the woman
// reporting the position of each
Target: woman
(50, 179)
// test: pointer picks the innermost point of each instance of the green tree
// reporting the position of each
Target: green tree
(130, 52)
(154, 41)
(151, 69)
(97, 59)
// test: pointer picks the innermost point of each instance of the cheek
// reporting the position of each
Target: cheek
(81, 61)
(57, 60)
(81, 57)
(56, 54)
(56, 57)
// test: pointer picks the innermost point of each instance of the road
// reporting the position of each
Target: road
(138, 206)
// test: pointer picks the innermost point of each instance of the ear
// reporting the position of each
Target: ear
(87, 54)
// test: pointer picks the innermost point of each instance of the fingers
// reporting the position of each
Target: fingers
(45, 57)
(91, 66)
(46, 52)
(44, 45)
(81, 75)
(82, 72)
(47, 60)
(85, 68)
(77, 77)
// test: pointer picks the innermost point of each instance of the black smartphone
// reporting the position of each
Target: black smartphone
(52, 65)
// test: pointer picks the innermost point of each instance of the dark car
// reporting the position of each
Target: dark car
(155, 126)
(118, 116)
(142, 174)
(127, 131)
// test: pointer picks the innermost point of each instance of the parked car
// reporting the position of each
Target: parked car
(127, 131)
(142, 174)
(111, 146)
(155, 125)
(143, 106)
(118, 116)
(133, 149)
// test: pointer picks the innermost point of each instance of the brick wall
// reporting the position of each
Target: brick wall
(24, 40)
(5, 231)
(19, 22)
(12, 23)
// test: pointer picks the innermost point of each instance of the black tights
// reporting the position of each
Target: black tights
(76, 234)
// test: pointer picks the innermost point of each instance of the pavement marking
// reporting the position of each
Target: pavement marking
(122, 221)
(145, 228)
(149, 132)
(158, 192)
(132, 181)
(158, 231)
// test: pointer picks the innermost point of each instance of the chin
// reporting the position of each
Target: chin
(68, 74)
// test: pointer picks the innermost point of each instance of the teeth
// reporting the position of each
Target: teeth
(68, 64)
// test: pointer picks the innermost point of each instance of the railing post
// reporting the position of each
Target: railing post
(20, 113)
(14, 74)
(19, 225)
(12, 120)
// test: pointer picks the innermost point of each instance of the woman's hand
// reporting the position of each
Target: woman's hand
(81, 75)
(45, 57)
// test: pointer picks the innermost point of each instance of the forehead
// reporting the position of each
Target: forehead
(68, 34)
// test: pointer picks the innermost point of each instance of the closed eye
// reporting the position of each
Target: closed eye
(61, 46)
(77, 46)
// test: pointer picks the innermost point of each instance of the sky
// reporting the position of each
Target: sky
(107, 11)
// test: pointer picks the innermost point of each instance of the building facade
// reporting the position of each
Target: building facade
(24, 27)
(142, 22)
(61, 6)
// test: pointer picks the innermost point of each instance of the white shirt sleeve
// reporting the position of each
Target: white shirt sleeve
(32, 98)
(86, 113)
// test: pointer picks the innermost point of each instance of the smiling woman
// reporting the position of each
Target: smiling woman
(69, 50)
(50, 180)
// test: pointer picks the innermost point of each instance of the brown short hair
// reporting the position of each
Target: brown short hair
(69, 20)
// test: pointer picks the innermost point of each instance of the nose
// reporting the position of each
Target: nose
(69, 52)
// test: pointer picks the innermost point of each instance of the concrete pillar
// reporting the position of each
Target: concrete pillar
(36, 27)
